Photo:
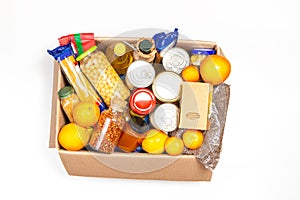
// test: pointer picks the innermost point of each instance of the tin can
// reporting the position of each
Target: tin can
(167, 86)
(142, 102)
(176, 59)
(165, 117)
(140, 74)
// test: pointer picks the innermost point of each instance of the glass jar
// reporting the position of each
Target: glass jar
(109, 129)
(120, 57)
(145, 50)
(68, 99)
(199, 54)
(102, 75)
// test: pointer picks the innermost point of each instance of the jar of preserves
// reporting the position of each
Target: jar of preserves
(110, 126)
(120, 57)
(102, 75)
(145, 50)
(68, 99)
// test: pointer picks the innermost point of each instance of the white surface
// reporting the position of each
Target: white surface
(260, 157)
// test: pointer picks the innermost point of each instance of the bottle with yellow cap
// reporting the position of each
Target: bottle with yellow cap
(120, 57)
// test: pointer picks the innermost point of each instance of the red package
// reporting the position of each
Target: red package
(80, 41)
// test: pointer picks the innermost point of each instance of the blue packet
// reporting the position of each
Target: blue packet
(165, 41)
(62, 52)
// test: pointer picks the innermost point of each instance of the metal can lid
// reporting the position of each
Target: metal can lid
(142, 101)
(145, 46)
(165, 117)
(140, 74)
(176, 59)
(167, 86)
(65, 92)
(205, 51)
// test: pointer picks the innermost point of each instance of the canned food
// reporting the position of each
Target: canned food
(167, 86)
(176, 59)
(140, 74)
(142, 101)
(165, 117)
(199, 54)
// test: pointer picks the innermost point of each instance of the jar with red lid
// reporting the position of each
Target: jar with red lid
(142, 102)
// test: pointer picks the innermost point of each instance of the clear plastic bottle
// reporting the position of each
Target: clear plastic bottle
(119, 56)
(110, 126)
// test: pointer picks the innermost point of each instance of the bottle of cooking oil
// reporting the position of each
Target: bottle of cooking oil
(119, 56)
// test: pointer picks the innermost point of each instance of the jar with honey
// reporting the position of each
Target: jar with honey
(68, 99)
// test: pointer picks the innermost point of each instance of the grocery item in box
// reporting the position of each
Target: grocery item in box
(145, 50)
(68, 99)
(176, 59)
(130, 139)
(81, 41)
(195, 101)
(199, 54)
(102, 75)
(85, 91)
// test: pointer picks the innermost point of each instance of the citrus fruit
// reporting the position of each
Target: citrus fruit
(86, 113)
(73, 137)
(154, 141)
(215, 69)
(192, 139)
(190, 74)
(174, 146)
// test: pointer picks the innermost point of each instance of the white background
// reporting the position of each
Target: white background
(261, 39)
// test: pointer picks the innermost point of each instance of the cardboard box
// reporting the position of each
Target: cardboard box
(124, 165)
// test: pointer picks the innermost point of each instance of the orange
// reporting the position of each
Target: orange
(190, 74)
(215, 69)
(154, 141)
(192, 139)
(174, 146)
(86, 113)
(73, 137)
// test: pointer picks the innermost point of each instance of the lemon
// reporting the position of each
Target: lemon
(192, 139)
(86, 113)
(73, 137)
(174, 146)
(154, 141)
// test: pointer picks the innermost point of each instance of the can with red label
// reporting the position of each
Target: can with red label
(142, 102)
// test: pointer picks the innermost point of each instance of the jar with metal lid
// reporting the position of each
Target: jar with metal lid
(167, 86)
(68, 99)
(142, 102)
(165, 117)
(120, 56)
(199, 54)
(130, 140)
(176, 59)
(145, 50)
(140, 74)
(102, 75)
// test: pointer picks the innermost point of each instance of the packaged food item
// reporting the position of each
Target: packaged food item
(80, 41)
(145, 50)
(102, 75)
(142, 102)
(120, 56)
(83, 88)
(195, 105)
(167, 86)
(68, 99)
(140, 74)
(130, 140)
(165, 117)
(176, 59)
(109, 129)
(164, 42)
(199, 54)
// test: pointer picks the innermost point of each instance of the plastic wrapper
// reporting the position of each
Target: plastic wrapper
(209, 153)
(80, 41)
(85, 91)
